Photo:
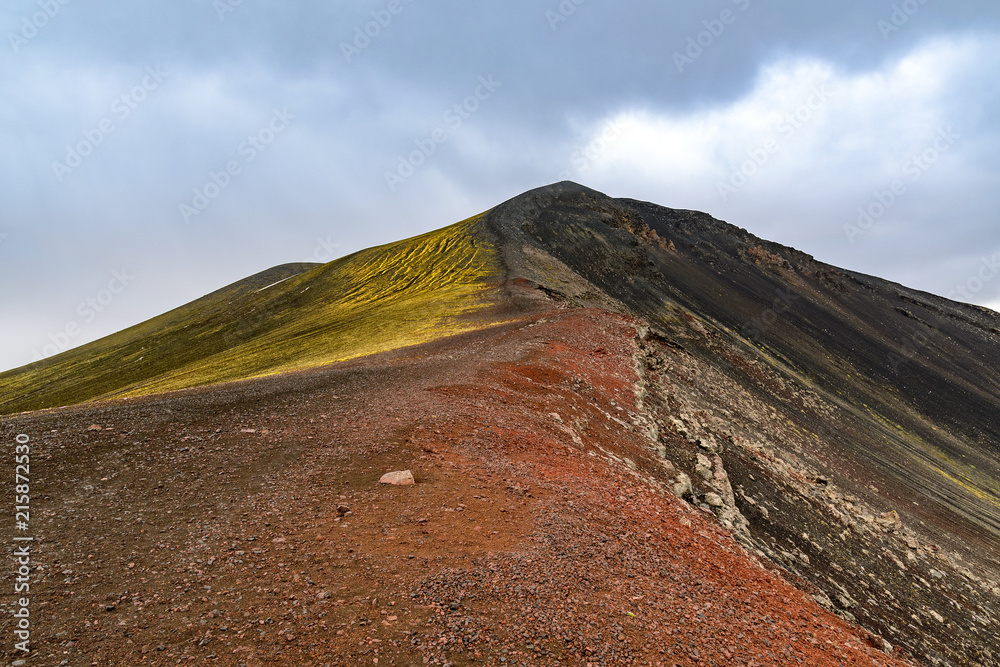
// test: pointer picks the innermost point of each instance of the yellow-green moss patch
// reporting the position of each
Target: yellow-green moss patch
(379, 299)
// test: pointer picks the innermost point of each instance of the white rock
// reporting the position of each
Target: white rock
(713, 500)
(682, 487)
(398, 478)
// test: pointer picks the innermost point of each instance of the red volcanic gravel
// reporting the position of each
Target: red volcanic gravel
(245, 525)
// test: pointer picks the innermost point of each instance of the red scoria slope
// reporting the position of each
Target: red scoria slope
(202, 527)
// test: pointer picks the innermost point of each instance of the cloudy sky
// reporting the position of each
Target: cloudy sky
(155, 151)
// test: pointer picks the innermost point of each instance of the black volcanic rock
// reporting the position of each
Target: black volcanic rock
(824, 399)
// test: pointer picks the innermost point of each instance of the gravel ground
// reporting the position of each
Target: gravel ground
(244, 524)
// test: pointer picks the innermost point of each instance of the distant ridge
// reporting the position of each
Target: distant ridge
(289, 317)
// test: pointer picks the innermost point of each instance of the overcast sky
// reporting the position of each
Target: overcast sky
(156, 151)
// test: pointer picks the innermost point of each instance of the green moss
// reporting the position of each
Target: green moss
(379, 299)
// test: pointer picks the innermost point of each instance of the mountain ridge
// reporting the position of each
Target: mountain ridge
(836, 425)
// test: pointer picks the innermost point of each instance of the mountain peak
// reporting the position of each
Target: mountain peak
(839, 427)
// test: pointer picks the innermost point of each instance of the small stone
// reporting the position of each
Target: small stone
(109, 607)
(682, 487)
(398, 478)
(93, 427)
(703, 468)
(714, 500)
(822, 600)
(890, 521)
(343, 510)
(845, 602)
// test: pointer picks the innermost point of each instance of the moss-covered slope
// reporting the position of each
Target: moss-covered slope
(287, 318)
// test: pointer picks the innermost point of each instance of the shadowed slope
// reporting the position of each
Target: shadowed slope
(847, 427)
(920, 372)
(286, 318)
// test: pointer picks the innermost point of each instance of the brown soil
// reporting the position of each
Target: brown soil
(201, 527)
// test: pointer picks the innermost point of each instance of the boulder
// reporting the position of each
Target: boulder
(682, 487)
(703, 468)
(714, 500)
(398, 478)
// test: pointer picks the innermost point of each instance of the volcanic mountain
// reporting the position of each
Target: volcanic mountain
(640, 436)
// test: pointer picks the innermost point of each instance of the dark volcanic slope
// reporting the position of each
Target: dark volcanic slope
(831, 396)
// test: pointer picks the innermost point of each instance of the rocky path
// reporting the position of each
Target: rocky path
(244, 524)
